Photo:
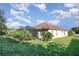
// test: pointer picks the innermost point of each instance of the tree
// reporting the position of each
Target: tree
(24, 34)
(2, 22)
(70, 32)
(76, 30)
(20, 34)
(46, 36)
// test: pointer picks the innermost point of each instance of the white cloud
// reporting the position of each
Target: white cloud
(74, 10)
(56, 22)
(9, 20)
(61, 13)
(20, 19)
(40, 21)
(24, 19)
(57, 11)
(77, 19)
(13, 25)
(17, 22)
(17, 12)
(13, 12)
(20, 6)
(70, 5)
(29, 17)
(41, 6)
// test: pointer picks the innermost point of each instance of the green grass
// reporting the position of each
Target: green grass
(61, 41)
(64, 40)
(60, 46)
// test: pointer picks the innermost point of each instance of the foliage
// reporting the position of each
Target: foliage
(2, 22)
(2, 18)
(46, 36)
(76, 30)
(3, 32)
(24, 34)
(10, 47)
(11, 33)
(70, 32)
(20, 34)
(73, 48)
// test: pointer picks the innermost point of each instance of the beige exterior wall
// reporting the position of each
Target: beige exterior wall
(56, 33)
(39, 34)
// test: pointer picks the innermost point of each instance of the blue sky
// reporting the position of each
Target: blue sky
(19, 14)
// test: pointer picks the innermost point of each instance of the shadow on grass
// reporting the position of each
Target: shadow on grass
(10, 47)
(54, 49)
(73, 48)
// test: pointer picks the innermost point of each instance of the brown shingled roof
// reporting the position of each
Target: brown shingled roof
(47, 26)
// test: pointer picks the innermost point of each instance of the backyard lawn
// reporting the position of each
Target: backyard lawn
(60, 46)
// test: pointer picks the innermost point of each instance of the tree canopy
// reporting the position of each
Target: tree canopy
(2, 21)
(76, 30)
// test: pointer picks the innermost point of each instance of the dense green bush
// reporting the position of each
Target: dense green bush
(24, 34)
(70, 32)
(20, 34)
(3, 32)
(76, 30)
(10, 47)
(11, 33)
(46, 36)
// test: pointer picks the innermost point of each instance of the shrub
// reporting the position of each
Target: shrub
(26, 35)
(3, 32)
(70, 32)
(20, 34)
(76, 30)
(12, 33)
(46, 35)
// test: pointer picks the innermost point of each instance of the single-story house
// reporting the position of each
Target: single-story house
(54, 29)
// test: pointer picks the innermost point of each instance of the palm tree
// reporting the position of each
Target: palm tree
(2, 21)
(46, 36)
